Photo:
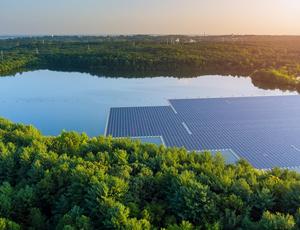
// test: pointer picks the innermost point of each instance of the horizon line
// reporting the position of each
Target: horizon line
(143, 34)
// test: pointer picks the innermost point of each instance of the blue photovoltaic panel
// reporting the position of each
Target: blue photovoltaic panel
(263, 130)
(147, 121)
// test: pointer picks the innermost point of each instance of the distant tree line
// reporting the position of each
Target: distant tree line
(72, 181)
(276, 59)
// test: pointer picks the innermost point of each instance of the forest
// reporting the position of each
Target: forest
(71, 181)
(271, 61)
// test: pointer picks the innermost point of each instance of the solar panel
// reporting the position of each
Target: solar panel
(263, 130)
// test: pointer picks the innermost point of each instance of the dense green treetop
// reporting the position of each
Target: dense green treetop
(72, 181)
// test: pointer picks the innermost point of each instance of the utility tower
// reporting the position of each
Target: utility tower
(37, 51)
(2, 55)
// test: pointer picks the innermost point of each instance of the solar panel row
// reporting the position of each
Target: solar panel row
(263, 130)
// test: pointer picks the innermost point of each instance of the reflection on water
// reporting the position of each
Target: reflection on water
(53, 101)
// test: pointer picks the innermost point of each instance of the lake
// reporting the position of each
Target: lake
(55, 101)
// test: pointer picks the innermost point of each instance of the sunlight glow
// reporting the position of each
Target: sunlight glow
(150, 17)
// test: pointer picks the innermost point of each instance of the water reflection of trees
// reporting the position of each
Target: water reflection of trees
(266, 85)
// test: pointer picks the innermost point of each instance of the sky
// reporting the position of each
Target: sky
(98, 17)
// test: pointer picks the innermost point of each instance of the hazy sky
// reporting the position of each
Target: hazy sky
(149, 16)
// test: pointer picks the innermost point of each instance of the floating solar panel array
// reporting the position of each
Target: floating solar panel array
(263, 130)
(147, 121)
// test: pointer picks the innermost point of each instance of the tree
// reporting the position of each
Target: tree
(6, 198)
(6, 224)
(276, 221)
(190, 200)
(75, 182)
(75, 219)
(37, 220)
(185, 225)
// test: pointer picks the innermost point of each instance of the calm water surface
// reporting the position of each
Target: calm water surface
(53, 101)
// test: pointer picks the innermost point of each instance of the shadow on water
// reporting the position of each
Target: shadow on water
(179, 74)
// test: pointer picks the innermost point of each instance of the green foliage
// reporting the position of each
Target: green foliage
(74, 219)
(6, 196)
(185, 225)
(276, 78)
(75, 182)
(37, 220)
(6, 224)
(297, 218)
(276, 221)
(190, 200)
